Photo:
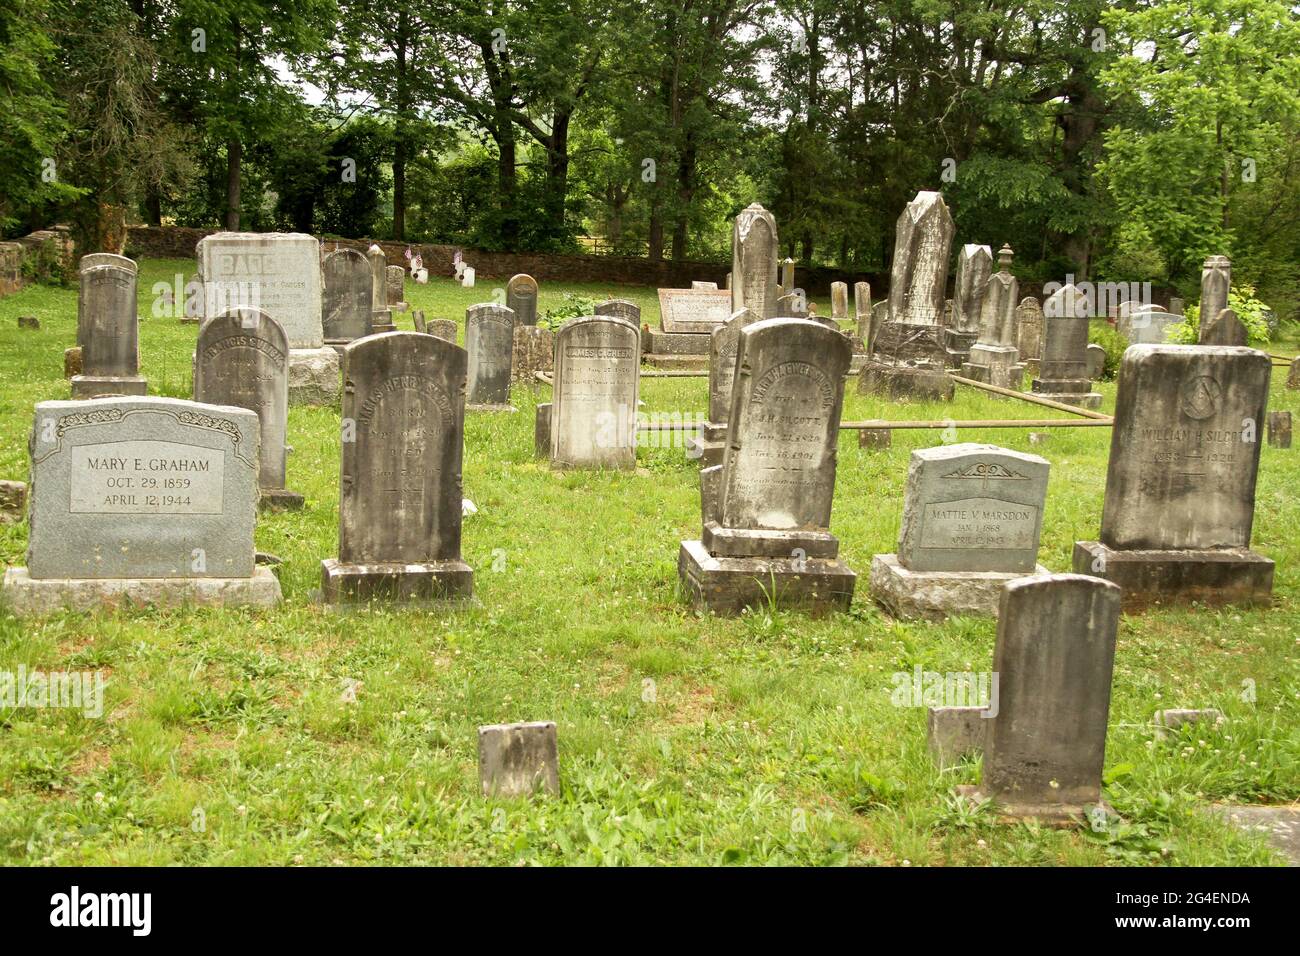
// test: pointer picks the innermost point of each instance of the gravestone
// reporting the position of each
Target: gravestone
(1279, 429)
(704, 286)
(381, 316)
(597, 380)
(347, 310)
(242, 360)
(787, 275)
(489, 342)
(1293, 375)
(1216, 282)
(1224, 329)
(954, 733)
(839, 300)
(1180, 487)
(279, 274)
(862, 311)
(754, 263)
(417, 319)
(521, 298)
(907, 351)
(792, 305)
(624, 309)
(974, 269)
(141, 500)
(1029, 335)
(1096, 361)
(518, 760)
(1144, 324)
(725, 342)
(972, 517)
(400, 480)
(1176, 306)
(534, 351)
(108, 333)
(72, 361)
(1045, 746)
(766, 509)
(192, 308)
(1063, 370)
(444, 329)
(395, 288)
(995, 356)
(687, 317)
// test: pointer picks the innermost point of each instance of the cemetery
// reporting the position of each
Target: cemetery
(371, 550)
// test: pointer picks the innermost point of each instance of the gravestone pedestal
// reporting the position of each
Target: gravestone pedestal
(433, 581)
(995, 365)
(727, 585)
(905, 381)
(1148, 577)
(972, 515)
(25, 595)
(98, 386)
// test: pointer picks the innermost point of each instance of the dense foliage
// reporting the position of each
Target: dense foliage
(1118, 141)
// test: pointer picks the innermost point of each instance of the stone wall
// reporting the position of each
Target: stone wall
(54, 246)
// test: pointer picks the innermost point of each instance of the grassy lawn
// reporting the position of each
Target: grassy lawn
(771, 738)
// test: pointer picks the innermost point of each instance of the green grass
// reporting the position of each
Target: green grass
(758, 723)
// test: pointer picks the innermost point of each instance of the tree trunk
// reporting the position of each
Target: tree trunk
(400, 129)
(234, 156)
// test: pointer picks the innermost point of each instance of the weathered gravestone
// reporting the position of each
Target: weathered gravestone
(347, 309)
(995, 356)
(489, 342)
(1180, 488)
(766, 509)
(624, 309)
(724, 344)
(1279, 429)
(1029, 334)
(974, 269)
(792, 305)
(754, 263)
(534, 351)
(701, 286)
(93, 259)
(395, 288)
(518, 760)
(1224, 329)
(242, 359)
(141, 500)
(592, 416)
(417, 319)
(192, 307)
(972, 517)
(400, 480)
(787, 275)
(839, 300)
(862, 312)
(279, 274)
(1063, 371)
(1096, 360)
(381, 319)
(1045, 740)
(907, 351)
(444, 329)
(687, 317)
(1216, 282)
(1143, 324)
(108, 333)
(521, 297)
(1293, 375)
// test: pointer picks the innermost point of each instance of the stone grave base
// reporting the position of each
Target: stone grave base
(542, 430)
(657, 342)
(709, 445)
(726, 586)
(314, 376)
(903, 381)
(95, 386)
(406, 583)
(682, 362)
(1230, 576)
(490, 408)
(278, 499)
(1079, 399)
(1055, 815)
(936, 595)
(27, 595)
(953, 733)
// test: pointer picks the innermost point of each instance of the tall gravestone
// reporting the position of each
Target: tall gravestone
(489, 342)
(1045, 745)
(787, 275)
(592, 415)
(141, 500)
(972, 517)
(395, 288)
(907, 351)
(994, 358)
(766, 509)
(1216, 282)
(381, 318)
(723, 346)
(839, 300)
(242, 360)
(1029, 337)
(974, 269)
(1180, 487)
(279, 274)
(400, 480)
(1063, 370)
(1224, 329)
(754, 262)
(862, 312)
(108, 333)
(347, 297)
(521, 298)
